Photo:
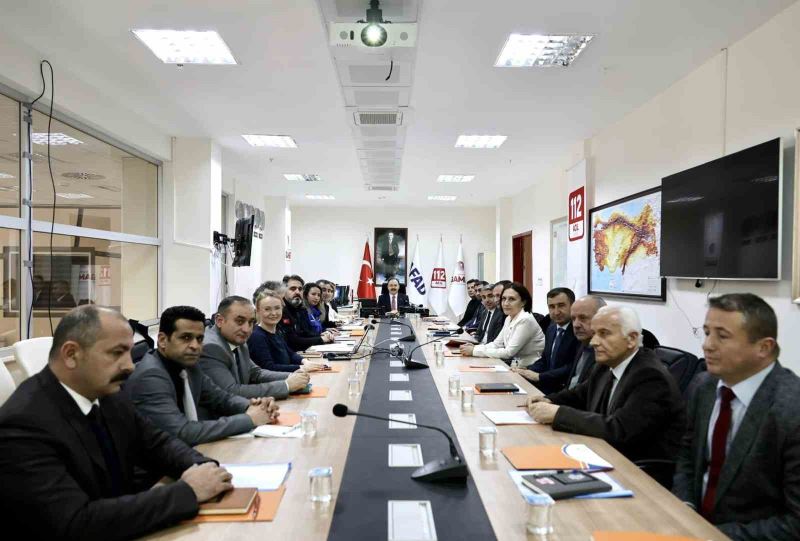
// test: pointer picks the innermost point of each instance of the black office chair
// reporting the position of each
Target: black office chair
(681, 364)
(139, 350)
(543, 320)
(144, 342)
(649, 340)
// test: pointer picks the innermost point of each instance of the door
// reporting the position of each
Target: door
(522, 258)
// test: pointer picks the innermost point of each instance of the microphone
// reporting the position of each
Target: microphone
(452, 468)
(411, 363)
(410, 338)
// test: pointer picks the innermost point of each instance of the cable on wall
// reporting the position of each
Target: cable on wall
(52, 182)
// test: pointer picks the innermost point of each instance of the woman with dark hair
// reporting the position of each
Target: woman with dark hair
(521, 338)
(317, 312)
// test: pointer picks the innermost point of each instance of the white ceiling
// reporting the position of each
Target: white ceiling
(287, 81)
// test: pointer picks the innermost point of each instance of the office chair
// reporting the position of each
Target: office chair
(32, 354)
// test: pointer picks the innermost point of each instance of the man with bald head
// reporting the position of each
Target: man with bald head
(583, 310)
(69, 443)
(630, 399)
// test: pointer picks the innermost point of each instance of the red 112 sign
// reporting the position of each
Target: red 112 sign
(577, 200)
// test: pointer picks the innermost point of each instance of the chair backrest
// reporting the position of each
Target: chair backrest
(32, 354)
(649, 340)
(681, 364)
(139, 350)
(7, 384)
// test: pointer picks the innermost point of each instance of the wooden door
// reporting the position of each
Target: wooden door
(522, 257)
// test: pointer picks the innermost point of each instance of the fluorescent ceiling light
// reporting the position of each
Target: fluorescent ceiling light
(455, 178)
(186, 46)
(74, 196)
(306, 178)
(480, 141)
(441, 198)
(274, 141)
(537, 50)
(56, 139)
(315, 196)
(6, 176)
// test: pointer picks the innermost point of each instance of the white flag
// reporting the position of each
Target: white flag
(437, 294)
(458, 297)
(417, 290)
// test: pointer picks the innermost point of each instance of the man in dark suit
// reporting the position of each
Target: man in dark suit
(549, 374)
(294, 326)
(226, 357)
(493, 318)
(69, 443)
(170, 389)
(391, 301)
(474, 302)
(630, 400)
(739, 464)
(581, 313)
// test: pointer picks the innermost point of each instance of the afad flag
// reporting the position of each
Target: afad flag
(437, 294)
(366, 283)
(416, 289)
(457, 296)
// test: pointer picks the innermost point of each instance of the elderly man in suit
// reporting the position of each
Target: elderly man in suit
(549, 374)
(630, 400)
(739, 464)
(582, 312)
(226, 357)
(69, 443)
(170, 389)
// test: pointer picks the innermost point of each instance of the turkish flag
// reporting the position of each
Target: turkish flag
(366, 282)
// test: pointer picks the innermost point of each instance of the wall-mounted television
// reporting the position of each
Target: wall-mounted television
(722, 219)
(243, 243)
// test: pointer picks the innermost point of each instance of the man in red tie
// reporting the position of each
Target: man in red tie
(739, 464)
(392, 300)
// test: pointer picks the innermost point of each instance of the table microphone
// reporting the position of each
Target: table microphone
(451, 469)
(410, 338)
(411, 363)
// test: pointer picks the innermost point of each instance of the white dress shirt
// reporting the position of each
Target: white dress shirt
(521, 337)
(83, 403)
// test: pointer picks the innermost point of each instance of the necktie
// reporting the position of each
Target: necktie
(106, 444)
(236, 368)
(719, 442)
(556, 344)
(606, 396)
(189, 408)
(394, 303)
(579, 366)
(485, 329)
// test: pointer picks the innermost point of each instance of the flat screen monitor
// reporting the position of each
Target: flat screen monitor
(722, 219)
(243, 243)
(342, 295)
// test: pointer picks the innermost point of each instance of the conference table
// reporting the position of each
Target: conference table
(651, 509)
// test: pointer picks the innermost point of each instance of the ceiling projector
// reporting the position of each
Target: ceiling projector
(374, 32)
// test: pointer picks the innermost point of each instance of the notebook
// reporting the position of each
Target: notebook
(564, 484)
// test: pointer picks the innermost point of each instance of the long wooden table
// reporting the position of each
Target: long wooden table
(652, 508)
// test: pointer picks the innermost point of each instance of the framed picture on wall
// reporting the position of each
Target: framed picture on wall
(624, 256)
(391, 249)
(795, 230)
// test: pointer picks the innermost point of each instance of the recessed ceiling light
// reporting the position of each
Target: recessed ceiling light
(56, 139)
(323, 197)
(186, 46)
(441, 198)
(74, 196)
(480, 141)
(6, 176)
(536, 50)
(455, 178)
(306, 178)
(275, 141)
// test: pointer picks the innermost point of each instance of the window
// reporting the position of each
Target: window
(9, 157)
(10, 317)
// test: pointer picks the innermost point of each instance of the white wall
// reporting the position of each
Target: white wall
(328, 242)
(679, 128)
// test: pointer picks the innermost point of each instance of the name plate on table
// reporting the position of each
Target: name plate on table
(395, 364)
(407, 417)
(400, 396)
(411, 521)
(398, 377)
(405, 455)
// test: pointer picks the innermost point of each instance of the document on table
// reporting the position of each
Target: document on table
(277, 431)
(336, 347)
(515, 417)
(260, 476)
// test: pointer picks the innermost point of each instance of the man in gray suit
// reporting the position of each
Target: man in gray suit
(739, 464)
(226, 358)
(169, 389)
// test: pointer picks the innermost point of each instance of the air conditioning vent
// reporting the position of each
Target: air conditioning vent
(378, 118)
(381, 188)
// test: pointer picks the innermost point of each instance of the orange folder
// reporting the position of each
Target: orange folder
(317, 391)
(545, 457)
(264, 509)
(357, 332)
(638, 536)
(334, 369)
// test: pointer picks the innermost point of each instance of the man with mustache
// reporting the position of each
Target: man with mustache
(294, 325)
(171, 390)
(69, 443)
(226, 357)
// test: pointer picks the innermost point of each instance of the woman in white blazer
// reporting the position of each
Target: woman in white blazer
(522, 337)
